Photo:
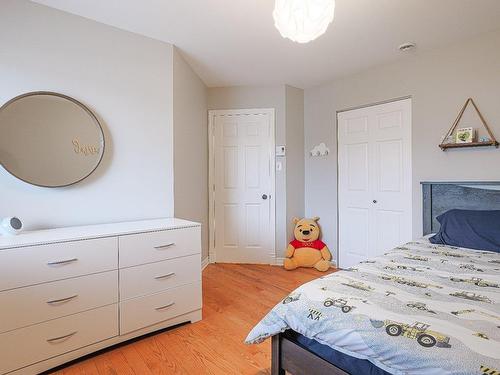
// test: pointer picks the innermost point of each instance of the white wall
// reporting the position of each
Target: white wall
(190, 147)
(439, 83)
(126, 80)
(288, 104)
(295, 183)
(244, 97)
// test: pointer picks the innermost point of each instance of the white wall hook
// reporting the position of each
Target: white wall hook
(320, 150)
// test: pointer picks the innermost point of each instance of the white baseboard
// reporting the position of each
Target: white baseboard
(279, 261)
(204, 263)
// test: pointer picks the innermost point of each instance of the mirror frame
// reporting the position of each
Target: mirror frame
(74, 101)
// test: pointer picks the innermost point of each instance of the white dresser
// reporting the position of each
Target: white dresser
(68, 292)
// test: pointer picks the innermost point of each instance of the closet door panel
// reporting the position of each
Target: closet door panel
(374, 161)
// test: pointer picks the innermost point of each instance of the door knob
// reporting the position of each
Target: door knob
(374, 201)
(264, 196)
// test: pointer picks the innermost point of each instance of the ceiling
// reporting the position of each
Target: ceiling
(234, 42)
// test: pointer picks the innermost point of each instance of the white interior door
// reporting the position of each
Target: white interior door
(243, 192)
(374, 156)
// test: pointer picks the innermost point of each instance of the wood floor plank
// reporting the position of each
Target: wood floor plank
(113, 363)
(85, 367)
(235, 298)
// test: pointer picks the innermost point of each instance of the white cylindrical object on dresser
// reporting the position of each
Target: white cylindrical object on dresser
(11, 226)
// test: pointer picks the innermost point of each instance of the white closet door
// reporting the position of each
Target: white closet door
(244, 186)
(374, 156)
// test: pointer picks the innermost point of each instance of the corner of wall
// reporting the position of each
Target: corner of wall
(190, 114)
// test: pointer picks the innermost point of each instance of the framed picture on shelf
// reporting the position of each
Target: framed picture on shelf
(465, 135)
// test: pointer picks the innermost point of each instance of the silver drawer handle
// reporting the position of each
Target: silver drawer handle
(62, 338)
(164, 246)
(62, 300)
(165, 307)
(165, 276)
(61, 262)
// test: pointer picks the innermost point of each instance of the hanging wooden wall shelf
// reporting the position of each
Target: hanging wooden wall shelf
(491, 142)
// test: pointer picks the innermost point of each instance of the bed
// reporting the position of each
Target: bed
(420, 308)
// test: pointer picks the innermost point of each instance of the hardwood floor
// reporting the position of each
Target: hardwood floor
(235, 298)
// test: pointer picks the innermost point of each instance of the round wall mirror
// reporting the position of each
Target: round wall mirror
(48, 139)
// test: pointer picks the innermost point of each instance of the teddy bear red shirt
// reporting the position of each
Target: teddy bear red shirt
(318, 244)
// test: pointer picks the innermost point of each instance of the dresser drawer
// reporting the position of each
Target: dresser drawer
(156, 246)
(154, 277)
(32, 344)
(39, 303)
(38, 264)
(141, 312)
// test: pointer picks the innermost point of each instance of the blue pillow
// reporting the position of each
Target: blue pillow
(471, 229)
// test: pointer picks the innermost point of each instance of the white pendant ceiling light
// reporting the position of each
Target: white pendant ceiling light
(303, 20)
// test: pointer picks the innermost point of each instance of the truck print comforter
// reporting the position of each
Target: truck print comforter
(419, 309)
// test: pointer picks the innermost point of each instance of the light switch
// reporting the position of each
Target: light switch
(280, 150)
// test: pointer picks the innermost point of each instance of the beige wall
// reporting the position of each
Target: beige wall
(439, 82)
(126, 79)
(241, 97)
(190, 146)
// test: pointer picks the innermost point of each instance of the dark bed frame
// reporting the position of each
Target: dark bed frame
(289, 356)
(438, 197)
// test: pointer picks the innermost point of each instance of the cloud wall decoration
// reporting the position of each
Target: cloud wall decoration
(320, 150)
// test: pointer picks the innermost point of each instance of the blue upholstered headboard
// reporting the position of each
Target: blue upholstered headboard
(439, 197)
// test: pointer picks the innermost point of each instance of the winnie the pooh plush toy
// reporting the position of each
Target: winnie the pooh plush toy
(307, 250)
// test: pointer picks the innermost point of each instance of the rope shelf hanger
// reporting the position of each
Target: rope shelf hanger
(491, 142)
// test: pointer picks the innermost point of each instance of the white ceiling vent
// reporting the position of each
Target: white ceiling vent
(408, 46)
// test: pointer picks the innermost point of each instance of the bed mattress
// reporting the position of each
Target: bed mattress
(419, 309)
